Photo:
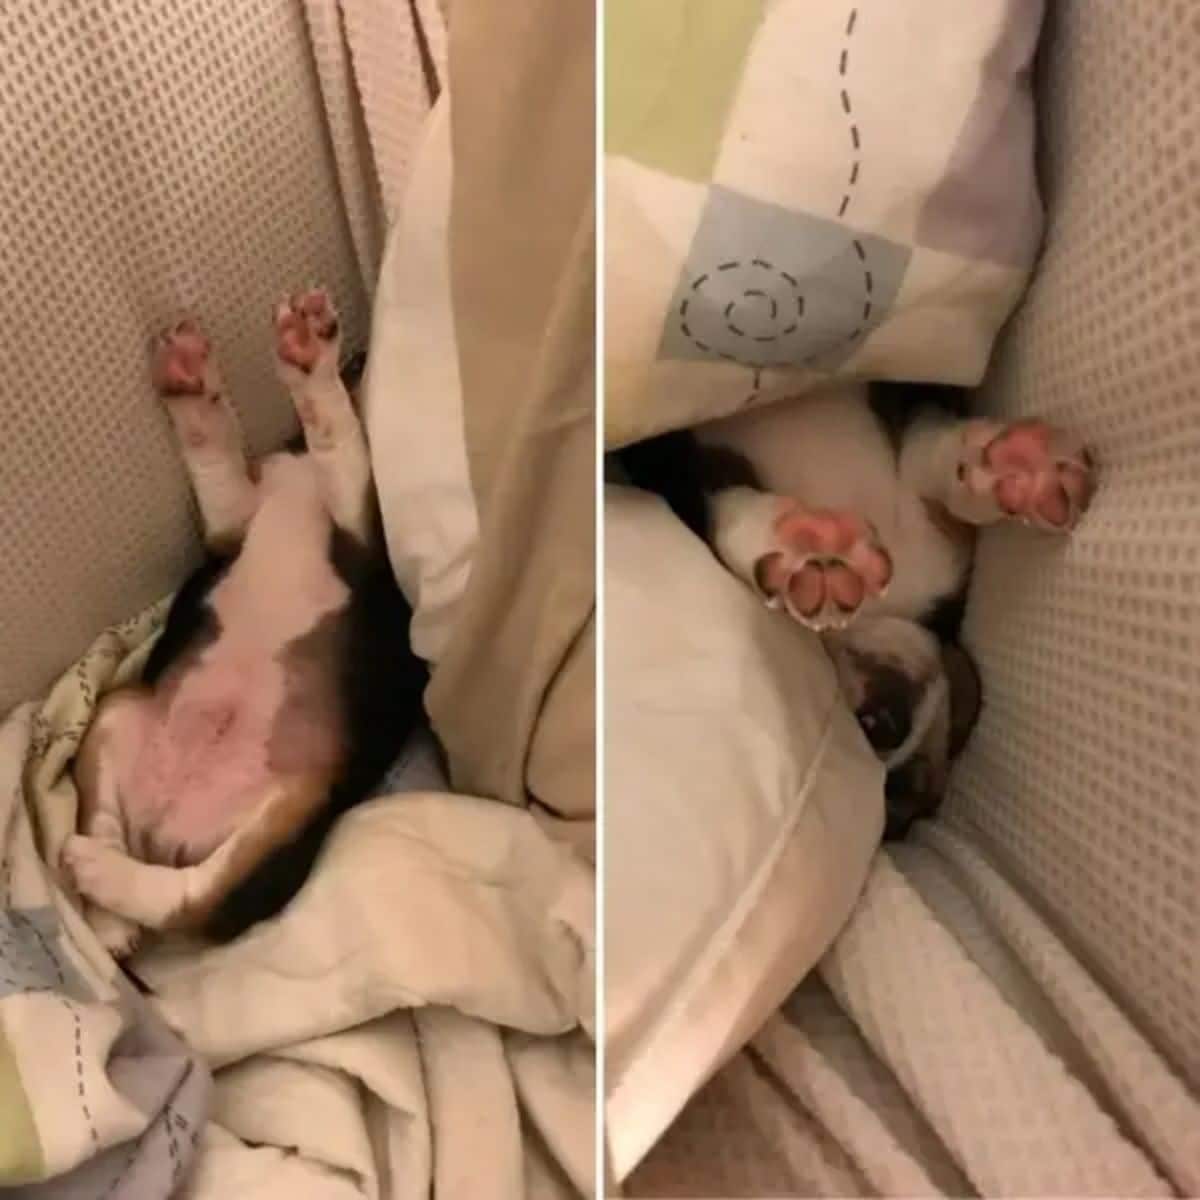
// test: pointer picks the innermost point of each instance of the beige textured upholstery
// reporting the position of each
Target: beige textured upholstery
(159, 160)
(1084, 774)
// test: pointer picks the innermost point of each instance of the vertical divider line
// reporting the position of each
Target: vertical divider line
(602, 1169)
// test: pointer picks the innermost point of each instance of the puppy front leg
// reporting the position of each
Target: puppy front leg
(820, 566)
(210, 437)
(982, 472)
(307, 348)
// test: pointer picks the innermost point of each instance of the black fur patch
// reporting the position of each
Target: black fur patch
(896, 405)
(966, 694)
(669, 466)
(684, 472)
(191, 623)
(886, 711)
(946, 618)
(909, 796)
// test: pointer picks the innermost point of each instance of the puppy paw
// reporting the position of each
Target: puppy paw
(180, 361)
(822, 566)
(117, 935)
(306, 334)
(1030, 471)
(91, 867)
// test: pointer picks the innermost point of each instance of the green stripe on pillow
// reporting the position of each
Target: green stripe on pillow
(21, 1157)
(673, 67)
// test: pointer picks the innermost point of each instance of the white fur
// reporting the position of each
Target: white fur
(828, 451)
(337, 446)
(742, 519)
(210, 442)
(283, 582)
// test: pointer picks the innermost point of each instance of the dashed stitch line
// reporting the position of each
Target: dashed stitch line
(80, 1086)
(172, 1144)
(759, 293)
(119, 1177)
(868, 287)
(10, 848)
(848, 109)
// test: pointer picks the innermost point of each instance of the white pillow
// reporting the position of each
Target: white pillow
(743, 808)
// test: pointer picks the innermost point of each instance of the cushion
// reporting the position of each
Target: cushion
(138, 226)
(1081, 777)
(743, 806)
(797, 191)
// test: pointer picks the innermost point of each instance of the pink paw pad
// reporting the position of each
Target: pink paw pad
(305, 325)
(1035, 473)
(824, 566)
(180, 360)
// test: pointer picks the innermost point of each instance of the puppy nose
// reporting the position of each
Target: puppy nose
(886, 725)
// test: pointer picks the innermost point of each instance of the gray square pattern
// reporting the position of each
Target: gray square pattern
(810, 306)
(31, 959)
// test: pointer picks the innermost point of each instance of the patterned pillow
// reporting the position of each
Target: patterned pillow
(797, 191)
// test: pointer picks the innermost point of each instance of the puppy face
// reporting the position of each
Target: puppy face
(890, 697)
(916, 701)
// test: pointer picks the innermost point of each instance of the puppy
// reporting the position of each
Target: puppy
(283, 684)
(853, 511)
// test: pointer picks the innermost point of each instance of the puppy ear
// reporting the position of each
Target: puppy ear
(966, 694)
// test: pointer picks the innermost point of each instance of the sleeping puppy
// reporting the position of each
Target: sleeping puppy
(283, 684)
(853, 511)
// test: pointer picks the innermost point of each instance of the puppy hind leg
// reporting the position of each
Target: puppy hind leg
(104, 756)
(165, 898)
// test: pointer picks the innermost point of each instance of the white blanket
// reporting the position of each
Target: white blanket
(412, 1019)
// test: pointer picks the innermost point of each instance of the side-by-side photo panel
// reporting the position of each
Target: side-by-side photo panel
(901, 551)
(298, 798)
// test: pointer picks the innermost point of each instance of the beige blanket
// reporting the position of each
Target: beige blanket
(512, 697)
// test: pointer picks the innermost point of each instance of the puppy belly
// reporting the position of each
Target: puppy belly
(204, 763)
(230, 728)
(185, 799)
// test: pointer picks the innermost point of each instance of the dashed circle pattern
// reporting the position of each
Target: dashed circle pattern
(748, 337)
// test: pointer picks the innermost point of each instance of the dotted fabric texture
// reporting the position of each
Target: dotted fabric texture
(739, 1136)
(1083, 776)
(949, 1044)
(376, 89)
(1008, 1110)
(160, 159)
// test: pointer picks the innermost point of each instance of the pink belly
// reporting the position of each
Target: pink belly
(203, 763)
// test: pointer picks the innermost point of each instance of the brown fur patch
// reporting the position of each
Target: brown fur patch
(287, 812)
(721, 467)
(308, 732)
